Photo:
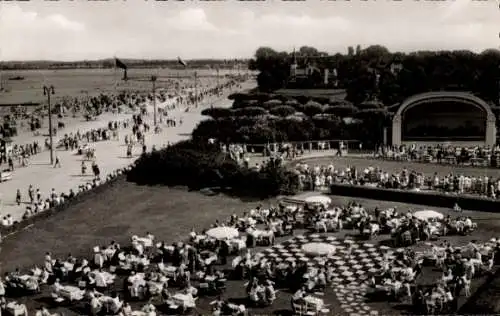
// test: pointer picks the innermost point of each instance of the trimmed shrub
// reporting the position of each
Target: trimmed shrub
(217, 112)
(283, 110)
(312, 109)
(239, 104)
(250, 111)
(272, 103)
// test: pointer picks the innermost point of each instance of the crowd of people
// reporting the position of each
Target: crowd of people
(171, 276)
(318, 177)
(441, 154)
(82, 141)
(39, 203)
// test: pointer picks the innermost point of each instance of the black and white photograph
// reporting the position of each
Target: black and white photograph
(244, 158)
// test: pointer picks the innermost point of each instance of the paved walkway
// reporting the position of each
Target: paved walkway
(110, 155)
(259, 159)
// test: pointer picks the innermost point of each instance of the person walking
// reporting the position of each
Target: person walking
(11, 164)
(57, 164)
(95, 169)
(18, 197)
(31, 193)
(84, 168)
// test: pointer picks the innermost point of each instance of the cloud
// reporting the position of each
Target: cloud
(191, 19)
(14, 17)
(65, 24)
(29, 34)
(78, 30)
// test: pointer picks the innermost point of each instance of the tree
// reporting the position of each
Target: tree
(420, 72)
(308, 51)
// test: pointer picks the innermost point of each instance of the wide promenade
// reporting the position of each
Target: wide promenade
(110, 156)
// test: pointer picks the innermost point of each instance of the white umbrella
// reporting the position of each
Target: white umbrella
(428, 214)
(222, 233)
(319, 199)
(318, 249)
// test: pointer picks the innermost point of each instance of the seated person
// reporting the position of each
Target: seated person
(116, 303)
(95, 305)
(133, 285)
(321, 279)
(126, 310)
(56, 288)
(21, 309)
(2, 288)
(270, 293)
(253, 294)
(100, 280)
(149, 309)
(43, 312)
(298, 297)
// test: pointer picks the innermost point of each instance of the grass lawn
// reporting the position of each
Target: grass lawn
(125, 209)
(79, 82)
(397, 166)
(486, 301)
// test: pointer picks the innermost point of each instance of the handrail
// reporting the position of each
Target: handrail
(345, 141)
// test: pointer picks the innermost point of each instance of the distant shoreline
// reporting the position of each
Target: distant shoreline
(131, 64)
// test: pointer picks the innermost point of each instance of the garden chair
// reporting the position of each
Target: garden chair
(301, 310)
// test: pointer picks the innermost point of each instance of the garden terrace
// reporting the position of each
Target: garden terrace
(125, 209)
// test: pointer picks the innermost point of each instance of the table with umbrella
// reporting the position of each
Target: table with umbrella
(427, 215)
(223, 233)
(319, 200)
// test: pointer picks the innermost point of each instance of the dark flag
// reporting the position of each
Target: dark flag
(121, 65)
(182, 62)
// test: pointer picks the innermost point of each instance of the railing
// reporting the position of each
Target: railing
(489, 161)
(333, 144)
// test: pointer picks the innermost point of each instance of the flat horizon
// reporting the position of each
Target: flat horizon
(79, 30)
(221, 59)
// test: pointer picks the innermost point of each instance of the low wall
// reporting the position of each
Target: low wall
(4, 231)
(424, 198)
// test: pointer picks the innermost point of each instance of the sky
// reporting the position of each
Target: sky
(76, 30)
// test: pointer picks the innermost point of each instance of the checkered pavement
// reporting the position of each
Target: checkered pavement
(354, 262)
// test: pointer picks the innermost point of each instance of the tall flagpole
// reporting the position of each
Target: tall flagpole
(1, 71)
(196, 89)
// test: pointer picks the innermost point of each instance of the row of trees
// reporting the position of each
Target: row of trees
(199, 165)
(391, 77)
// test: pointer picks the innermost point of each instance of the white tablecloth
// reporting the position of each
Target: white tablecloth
(71, 293)
(184, 300)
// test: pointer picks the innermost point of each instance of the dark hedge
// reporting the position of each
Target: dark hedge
(437, 199)
(199, 165)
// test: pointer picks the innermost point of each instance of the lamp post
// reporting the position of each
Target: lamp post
(153, 79)
(218, 82)
(48, 91)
